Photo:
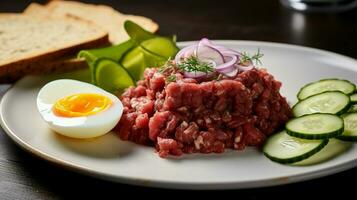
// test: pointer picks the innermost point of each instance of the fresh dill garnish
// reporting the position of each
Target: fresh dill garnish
(192, 64)
(255, 58)
(168, 64)
(171, 78)
(219, 77)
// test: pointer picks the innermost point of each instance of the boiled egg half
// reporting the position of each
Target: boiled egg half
(78, 109)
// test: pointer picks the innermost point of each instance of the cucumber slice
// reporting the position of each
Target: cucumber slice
(136, 32)
(352, 109)
(134, 61)
(334, 148)
(160, 46)
(327, 102)
(353, 98)
(111, 76)
(283, 148)
(315, 126)
(350, 132)
(325, 85)
(113, 52)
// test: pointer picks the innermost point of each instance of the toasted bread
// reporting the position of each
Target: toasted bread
(37, 10)
(106, 17)
(26, 40)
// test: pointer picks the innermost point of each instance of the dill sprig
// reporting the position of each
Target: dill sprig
(167, 65)
(255, 58)
(192, 64)
(171, 78)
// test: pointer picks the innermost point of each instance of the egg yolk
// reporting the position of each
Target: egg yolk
(78, 105)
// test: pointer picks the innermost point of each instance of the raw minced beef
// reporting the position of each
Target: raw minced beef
(183, 115)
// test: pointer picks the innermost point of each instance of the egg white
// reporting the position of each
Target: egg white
(77, 127)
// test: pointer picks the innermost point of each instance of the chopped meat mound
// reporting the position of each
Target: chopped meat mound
(185, 115)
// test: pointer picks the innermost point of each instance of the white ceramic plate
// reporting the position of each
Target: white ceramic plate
(110, 158)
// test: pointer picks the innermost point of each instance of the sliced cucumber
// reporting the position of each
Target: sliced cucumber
(332, 149)
(350, 132)
(315, 126)
(327, 102)
(136, 32)
(134, 62)
(352, 109)
(283, 148)
(353, 98)
(161, 46)
(325, 85)
(113, 52)
(111, 76)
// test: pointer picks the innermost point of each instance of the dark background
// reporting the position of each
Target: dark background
(23, 176)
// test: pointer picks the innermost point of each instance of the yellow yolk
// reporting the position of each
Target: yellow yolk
(78, 105)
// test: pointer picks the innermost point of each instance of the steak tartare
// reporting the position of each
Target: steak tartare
(185, 115)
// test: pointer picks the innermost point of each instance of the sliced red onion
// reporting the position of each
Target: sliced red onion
(224, 60)
(222, 49)
(245, 68)
(182, 53)
(189, 52)
(211, 62)
(232, 73)
(205, 41)
(227, 66)
(230, 52)
(225, 49)
(204, 52)
(196, 74)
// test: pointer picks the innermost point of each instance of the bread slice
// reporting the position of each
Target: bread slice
(60, 65)
(25, 40)
(106, 17)
(37, 10)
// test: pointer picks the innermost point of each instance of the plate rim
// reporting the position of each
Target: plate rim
(184, 184)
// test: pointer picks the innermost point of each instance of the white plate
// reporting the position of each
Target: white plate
(109, 158)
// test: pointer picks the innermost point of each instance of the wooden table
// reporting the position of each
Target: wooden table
(23, 176)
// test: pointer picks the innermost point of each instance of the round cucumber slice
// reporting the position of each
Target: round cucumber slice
(325, 85)
(284, 148)
(353, 98)
(315, 126)
(161, 46)
(136, 32)
(352, 109)
(327, 102)
(152, 59)
(111, 76)
(112, 52)
(134, 62)
(350, 131)
(334, 148)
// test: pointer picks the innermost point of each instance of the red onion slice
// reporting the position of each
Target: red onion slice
(205, 41)
(222, 49)
(227, 66)
(204, 52)
(211, 62)
(224, 60)
(196, 74)
(245, 68)
(182, 53)
(232, 73)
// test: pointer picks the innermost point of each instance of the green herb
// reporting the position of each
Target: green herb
(171, 78)
(255, 58)
(192, 64)
(167, 65)
(218, 77)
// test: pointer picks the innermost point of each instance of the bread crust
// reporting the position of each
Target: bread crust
(12, 69)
